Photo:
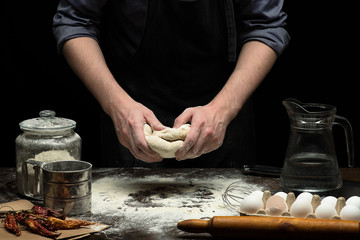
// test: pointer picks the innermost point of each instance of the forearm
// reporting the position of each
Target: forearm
(254, 62)
(87, 61)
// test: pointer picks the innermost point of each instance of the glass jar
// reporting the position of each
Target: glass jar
(44, 139)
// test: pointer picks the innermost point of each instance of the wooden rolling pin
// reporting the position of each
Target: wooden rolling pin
(258, 227)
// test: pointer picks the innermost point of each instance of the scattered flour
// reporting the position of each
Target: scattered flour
(156, 204)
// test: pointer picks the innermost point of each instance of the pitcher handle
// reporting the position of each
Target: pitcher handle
(26, 185)
(349, 138)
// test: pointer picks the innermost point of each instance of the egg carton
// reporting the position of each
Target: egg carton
(290, 199)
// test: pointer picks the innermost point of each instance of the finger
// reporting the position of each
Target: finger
(184, 117)
(144, 153)
(148, 155)
(139, 147)
(194, 152)
(152, 120)
(146, 158)
(206, 142)
(190, 141)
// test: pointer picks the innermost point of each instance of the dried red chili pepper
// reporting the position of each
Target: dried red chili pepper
(36, 227)
(20, 217)
(67, 224)
(53, 213)
(42, 220)
(47, 212)
(11, 224)
(39, 210)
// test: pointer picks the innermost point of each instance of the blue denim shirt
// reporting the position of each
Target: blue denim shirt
(261, 20)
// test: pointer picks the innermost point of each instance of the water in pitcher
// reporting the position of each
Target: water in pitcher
(310, 172)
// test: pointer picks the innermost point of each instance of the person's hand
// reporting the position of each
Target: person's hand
(208, 127)
(85, 57)
(128, 122)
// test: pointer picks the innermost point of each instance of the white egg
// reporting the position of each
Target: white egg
(350, 212)
(251, 204)
(329, 200)
(305, 195)
(354, 200)
(281, 194)
(301, 208)
(257, 193)
(325, 211)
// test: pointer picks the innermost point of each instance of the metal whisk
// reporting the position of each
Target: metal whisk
(235, 193)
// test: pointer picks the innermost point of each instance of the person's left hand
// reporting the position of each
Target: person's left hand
(208, 127)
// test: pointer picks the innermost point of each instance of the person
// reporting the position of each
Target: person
(170, 62)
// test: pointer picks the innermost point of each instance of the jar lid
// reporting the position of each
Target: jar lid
(47, 122)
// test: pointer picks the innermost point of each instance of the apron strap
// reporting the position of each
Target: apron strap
(231, 27)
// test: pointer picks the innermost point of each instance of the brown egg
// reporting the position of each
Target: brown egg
(276, 205)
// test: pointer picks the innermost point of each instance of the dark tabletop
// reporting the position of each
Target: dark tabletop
(142, 203)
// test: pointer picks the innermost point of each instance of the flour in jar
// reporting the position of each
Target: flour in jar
(53, 155)
(50, 156)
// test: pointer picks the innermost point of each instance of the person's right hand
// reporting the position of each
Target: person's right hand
(85, 57)
(128, 122)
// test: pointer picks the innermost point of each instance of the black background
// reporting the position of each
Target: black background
(319, 65)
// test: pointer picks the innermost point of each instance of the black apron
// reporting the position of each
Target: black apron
(182, 62)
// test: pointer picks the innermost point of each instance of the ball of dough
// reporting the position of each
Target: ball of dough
(166, 142)
(173, 134)
(147, 130)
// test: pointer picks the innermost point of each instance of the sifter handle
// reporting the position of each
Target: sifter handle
(26, 183)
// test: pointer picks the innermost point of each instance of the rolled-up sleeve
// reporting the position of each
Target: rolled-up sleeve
(262, 20)
(77, 18)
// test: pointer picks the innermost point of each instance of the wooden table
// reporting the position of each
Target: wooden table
(142, 203)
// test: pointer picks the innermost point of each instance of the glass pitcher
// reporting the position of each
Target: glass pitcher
(310, 162)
